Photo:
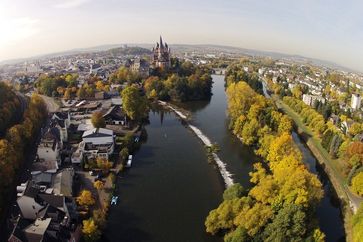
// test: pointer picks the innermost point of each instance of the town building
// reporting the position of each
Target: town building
(44, 216)
(96, 143)
(356, 101)
(61, 120)
(141, 67)
(311, 99)
(161, 55)
(50, 146)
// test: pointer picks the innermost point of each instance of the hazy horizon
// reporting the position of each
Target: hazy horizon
(325, 30)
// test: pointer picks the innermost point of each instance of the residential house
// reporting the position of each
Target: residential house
(99, 95)
(50, 146)
(44, 216)
(62, 120)
(311, 99)
(96, 142)
(115, 116)
(356, 101)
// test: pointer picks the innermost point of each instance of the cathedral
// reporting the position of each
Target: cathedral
(161, 55)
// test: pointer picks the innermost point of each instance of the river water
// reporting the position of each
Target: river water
(171, 187)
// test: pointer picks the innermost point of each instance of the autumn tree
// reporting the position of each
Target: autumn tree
(67, 93)
(85, 199)
(277, 201)
(98, 120)
(356, 128)
(357, 184)
(104, 164)
(357, 223)
(124, 153)
(354, 153)
(90, 230)
(99, 216)
(98, 185)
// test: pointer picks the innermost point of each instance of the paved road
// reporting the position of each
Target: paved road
(51, 104)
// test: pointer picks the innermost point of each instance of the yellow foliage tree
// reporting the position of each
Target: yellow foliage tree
(98, 185)
(85, 198)
(357, 184)
(104, 164)
(90, 230)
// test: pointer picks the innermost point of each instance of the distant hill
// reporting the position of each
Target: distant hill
(130, 51)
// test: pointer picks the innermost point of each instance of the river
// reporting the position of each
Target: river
(171, 187)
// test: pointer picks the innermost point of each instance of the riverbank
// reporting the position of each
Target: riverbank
(348, 203)
(226, 175)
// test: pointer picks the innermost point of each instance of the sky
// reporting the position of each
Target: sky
(328, 30)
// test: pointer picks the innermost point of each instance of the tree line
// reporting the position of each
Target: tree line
(9, 108)
(18, 140)
(346, 147)
(235, 73)
(184, 81)
(278, 207)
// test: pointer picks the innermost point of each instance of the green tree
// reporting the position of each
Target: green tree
(288, 225)
(81, 93)
(238, 235)
(134, 104)
(234, 191)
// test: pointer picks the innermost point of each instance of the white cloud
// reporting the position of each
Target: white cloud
(70, 3)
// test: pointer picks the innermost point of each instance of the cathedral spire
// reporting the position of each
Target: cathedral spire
(161, 42)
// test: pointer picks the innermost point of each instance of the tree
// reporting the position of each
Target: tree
(234, 191)
(153, 94)
(296, 91)
(104, 164)
(81, 93)
(90, 230)
(85, 198)
(98, 185)
(67, 94)
(134, 104)
(355, 129)
(98, 120)
(355, 149)
(282, 147)
(357, 223)
(288, 225)
(357, 184)
(238, 235)
(318, 236)
(8, 162)
(99, 216)
(124, 153)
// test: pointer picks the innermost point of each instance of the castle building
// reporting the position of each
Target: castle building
(161, 55)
